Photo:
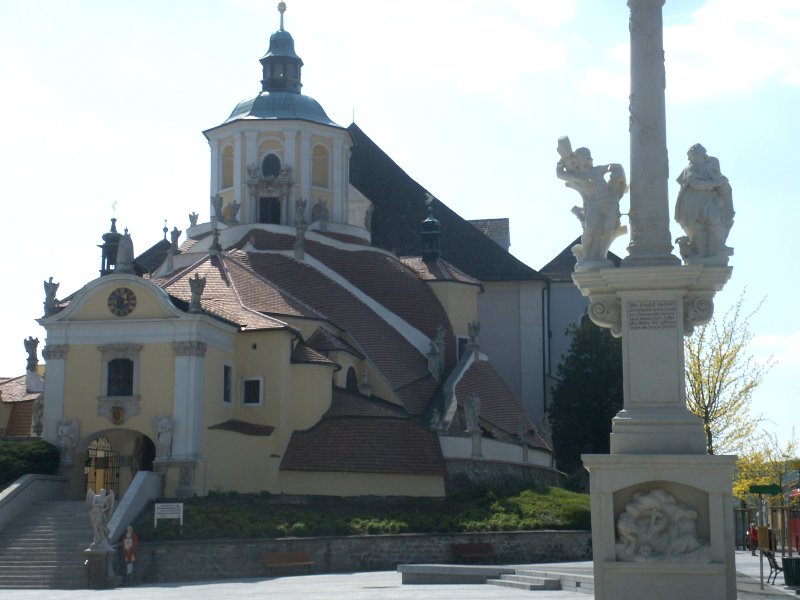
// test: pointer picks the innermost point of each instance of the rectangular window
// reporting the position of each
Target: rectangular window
(227, 384)
(269, 210)
(251, 391)
(120, 377)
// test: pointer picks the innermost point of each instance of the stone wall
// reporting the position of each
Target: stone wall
(465, 475)
(163, 562)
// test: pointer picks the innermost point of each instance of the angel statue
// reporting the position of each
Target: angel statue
(100, 506)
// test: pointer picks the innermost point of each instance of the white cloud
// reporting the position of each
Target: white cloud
(784, 348)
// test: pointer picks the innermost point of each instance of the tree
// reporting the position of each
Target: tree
(763, 463)
(720, 379)
(587, 396)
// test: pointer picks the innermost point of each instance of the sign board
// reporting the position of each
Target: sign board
(773, 489)
(168, 510)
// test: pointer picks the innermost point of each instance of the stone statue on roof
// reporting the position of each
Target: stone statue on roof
(193, 219)
(50, 302)
(175, 235)
(31, 347)
(472, 409)
(599, 215)
(125, 256)
(320, 214)
(196, 284)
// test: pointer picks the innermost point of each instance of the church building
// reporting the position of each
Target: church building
(330, 329)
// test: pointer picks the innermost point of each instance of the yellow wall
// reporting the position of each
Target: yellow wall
(311, 394)
(240, 462)
(460, 302)
(95, 307)
(360, 484)
(83, 385)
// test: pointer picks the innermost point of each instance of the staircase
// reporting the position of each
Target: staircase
(535, 580)
(44, 547)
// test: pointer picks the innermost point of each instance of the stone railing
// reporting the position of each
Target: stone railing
(18, 497)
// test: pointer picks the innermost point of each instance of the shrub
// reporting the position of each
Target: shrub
(29, 456)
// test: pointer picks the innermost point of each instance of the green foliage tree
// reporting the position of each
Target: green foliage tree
(763, 462)
(720, 379)
(587, 396)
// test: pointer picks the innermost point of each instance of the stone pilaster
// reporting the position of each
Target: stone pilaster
(187, 401)
(55, 355)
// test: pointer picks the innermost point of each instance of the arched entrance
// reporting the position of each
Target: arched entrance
(113, 457)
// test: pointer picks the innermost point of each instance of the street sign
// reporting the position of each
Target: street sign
(772, 489)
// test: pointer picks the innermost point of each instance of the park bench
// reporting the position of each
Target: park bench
(473, 552)
(286, 560)
(774, 567)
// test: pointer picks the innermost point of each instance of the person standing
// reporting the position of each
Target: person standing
(752, 538)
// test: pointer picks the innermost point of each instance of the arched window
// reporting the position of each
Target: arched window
(271, 166)
(227, 168)
(319, 166)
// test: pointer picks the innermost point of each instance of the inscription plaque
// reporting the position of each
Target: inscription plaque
(652, 314)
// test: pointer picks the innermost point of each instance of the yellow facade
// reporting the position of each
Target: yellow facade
(460, 302)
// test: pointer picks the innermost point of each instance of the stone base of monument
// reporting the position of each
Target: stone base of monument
(662, 526)
(100, 566)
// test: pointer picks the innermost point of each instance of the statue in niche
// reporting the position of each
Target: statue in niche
(101, 506)
(196, 284)
(599, 215)
(656, 527)
(67, 433)
(164, 427)
(472, 408)
(704, 208)
(320, 213)
(50, 302)
(125, 255)
(31, 347)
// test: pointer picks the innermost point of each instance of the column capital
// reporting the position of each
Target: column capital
(55, 351)
(189, 348)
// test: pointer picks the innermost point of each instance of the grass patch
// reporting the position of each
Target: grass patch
(230, 515)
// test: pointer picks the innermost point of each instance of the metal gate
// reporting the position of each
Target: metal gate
(102, 467)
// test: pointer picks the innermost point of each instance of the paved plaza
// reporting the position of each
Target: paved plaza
(381, 585)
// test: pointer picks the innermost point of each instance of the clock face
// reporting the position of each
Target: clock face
(121, 301)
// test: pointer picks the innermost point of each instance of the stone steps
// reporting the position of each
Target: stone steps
(43, 548)
(527, 582)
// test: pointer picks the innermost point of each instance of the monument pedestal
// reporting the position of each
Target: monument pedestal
(698, 483)
(100, 571)
(662, 520)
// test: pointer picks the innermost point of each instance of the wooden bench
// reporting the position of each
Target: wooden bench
(774, 567)
(286, 560)
(472, 552)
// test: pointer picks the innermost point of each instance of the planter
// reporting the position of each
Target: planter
(791, 571)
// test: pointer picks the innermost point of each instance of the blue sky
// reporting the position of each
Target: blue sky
(104, 102)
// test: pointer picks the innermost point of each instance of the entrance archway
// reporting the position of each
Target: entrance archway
(111, 459)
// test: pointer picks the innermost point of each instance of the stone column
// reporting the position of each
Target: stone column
(55, 355)
(251, 158)
(649, 214)
(304, 176)
(238, 170)
(213, 144)
(337, 185)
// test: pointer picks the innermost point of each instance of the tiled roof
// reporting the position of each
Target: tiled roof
(243, 427)
(399, 209)
(399, 361)
(437, 270)
(498, 405)
(325, 341)
(304, 354)
(562, 266)
(14, 390)
(219, 297)
(491, 227)
(359, 435)
(151, 259)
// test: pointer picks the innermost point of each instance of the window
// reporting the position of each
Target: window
(227, 384)
(120, 377)
(352, 380)
(269, 210)
(271, 166)
(227, 168)
(461, 347)
(251, 391)
(319, 166)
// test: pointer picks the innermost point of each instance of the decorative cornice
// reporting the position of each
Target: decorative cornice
(55, 351)
(189, 348)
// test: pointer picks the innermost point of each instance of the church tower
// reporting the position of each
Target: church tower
(277, 148)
